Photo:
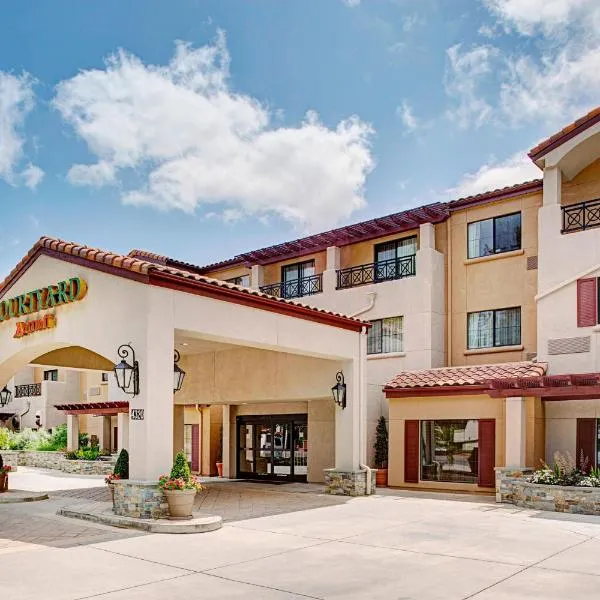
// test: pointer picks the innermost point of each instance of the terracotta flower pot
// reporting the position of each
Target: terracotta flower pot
(111, 489)
(381, 477)
(220, 469)
(181, 503)
(3, 482)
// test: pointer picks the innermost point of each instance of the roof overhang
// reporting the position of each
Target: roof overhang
(94, 408)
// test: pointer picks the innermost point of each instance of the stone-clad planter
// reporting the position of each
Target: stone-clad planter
(350, 483)
(511, 488)
(57, 460)
(139, 499)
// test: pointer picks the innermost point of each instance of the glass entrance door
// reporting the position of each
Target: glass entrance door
(272, 447)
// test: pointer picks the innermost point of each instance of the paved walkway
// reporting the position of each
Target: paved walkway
(390, 546)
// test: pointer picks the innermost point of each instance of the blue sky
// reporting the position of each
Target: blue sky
(271, 119)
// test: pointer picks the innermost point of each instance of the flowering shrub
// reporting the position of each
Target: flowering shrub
(168, 483)
(181, 477)
(5, 469)
(566, 472)
(111, 477)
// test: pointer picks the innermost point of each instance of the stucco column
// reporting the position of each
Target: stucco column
(178, 428)
(72, 432)
(151, 434)
(516, 431)
(427, 236)
(226, 443)
(552, 186)
(257, 277)
(104, 437)
(350, 422)
(123, 431)
(331, 269)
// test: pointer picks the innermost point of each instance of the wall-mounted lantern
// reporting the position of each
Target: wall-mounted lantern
(178, 373)
(128, 375)
(338, 391)
(5, 396)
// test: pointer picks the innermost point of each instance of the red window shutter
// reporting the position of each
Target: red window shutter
(487, 453)
(586, 441)
(196, 448)
(587, 302)
(411, 451)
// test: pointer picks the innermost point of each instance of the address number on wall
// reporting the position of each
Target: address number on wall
(137, 414)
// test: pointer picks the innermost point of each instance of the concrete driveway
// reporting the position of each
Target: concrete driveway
(391, 546)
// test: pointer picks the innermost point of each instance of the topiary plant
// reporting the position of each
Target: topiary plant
(122, 465)
(381, 444)
(181, 469)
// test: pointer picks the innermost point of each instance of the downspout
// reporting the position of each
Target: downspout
(362, 424)
(449, 295)
(372, 298)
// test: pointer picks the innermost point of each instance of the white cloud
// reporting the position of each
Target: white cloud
(410, 122)
(32, 176)
(551, 79)
(351, 3)
(195, 142)
(16, 102)
(493, 175)
(466, 73)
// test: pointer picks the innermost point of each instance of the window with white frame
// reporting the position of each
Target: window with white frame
(492, 328)
(386, 335)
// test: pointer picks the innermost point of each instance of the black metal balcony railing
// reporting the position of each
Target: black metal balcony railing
(388, 270)
(295, 288)
(28, 389)
(582, 216)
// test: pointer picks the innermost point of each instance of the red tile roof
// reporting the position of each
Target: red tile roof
(342, 236)
(535, 185)
(465, 376)
(155, 273)
(565, 134)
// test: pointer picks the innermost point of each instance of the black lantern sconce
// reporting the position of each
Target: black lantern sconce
(128, 375)
(178, 373)
(338, 391)
(5, 396)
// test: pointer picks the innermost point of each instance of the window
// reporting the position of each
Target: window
(294, 279)
(104, 377)
(396, 259)
(490, 328)
(51, 375)
(450, 451)
(243, 280)
(493, 236)
(386, 335)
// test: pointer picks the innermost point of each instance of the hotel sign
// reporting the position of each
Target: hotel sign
(64, 292)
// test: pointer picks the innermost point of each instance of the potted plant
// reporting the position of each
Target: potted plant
(121, 471)
(381, 452)
(220, 453)
(4, 471)
(180, 488)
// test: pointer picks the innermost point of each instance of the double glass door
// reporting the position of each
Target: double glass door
(272, 447)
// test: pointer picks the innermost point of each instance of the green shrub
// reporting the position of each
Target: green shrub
(181, 469)
(122, 465)
(71, 454)
(87, 453)
(84, 440)
(58, 441)
(28, 439)
(381, 444)
(4, 438)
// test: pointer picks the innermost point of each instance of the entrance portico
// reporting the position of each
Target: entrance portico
(239, 348)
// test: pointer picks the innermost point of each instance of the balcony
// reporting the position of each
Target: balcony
(388, 270)
(27, 390)
(581, 216)
(295, 288)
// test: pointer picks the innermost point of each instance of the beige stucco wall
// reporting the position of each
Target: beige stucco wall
(585, 186)
(500, 281)
(561, 424)
(363, 253)
(442, 407)
(229, 273)
(272, 272)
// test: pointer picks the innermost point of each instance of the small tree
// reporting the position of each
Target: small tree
(381, 444)
(181, 469)
(122, 465)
